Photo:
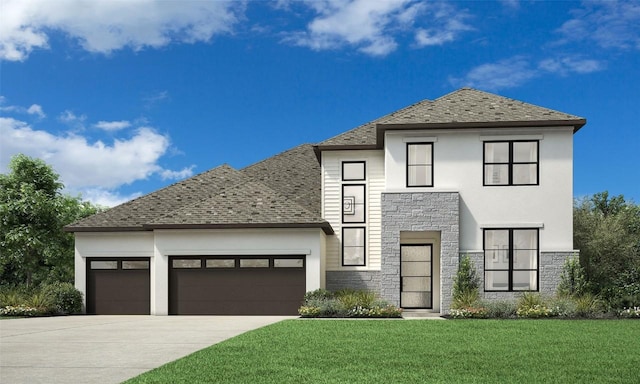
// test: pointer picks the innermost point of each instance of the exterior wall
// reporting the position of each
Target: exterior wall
(551, 264)
(160, 244)
(366, 280)
(419, 211)
(458, 166)
(332, 205)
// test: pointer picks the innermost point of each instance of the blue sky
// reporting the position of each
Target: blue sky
(124, 97)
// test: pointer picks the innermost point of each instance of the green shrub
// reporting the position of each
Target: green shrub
(588, 305)
(466, 285)
(346, 303)
(573, 281)
(11, 296)
(499, 309)
(66, 299)
(41, 301)
(532, 305)
(563, 306)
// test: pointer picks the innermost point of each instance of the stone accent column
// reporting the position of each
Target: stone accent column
(420, 211)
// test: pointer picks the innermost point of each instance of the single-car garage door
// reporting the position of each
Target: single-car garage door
(118, 286)
(236, 285)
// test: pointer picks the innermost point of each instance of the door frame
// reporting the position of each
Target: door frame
(430, 246)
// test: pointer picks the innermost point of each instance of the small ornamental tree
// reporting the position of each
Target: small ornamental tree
(466, 285)
(573, 282)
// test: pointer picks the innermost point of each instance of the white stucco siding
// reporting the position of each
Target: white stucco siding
(458, 166)
(332, 204)
(160, 244)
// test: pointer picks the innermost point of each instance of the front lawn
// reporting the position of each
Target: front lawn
(417, 351)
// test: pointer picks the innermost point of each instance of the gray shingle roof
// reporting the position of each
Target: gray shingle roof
(285, 190)
(465, 107)
(133, 214)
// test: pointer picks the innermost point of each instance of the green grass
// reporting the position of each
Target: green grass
(402, 351)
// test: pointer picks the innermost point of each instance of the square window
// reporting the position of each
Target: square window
(511, 163)
(353, 170)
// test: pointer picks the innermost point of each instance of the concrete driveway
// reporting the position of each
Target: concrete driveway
(108, 349)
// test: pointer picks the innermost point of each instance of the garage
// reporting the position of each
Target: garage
(118, 286)
(236, 285)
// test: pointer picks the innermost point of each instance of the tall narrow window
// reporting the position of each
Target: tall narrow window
(420, 165)
(511, 259)
(511, 163)
(353, 203)
(353, 246)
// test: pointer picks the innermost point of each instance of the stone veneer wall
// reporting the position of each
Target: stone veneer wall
(551, 264)
(367, 280)
(419, 211)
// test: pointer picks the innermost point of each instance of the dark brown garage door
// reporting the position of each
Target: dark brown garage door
(118, 286)
(236, 285)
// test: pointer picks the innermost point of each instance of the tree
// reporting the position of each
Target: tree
(466, 285)
(33, 246)
(607, 233)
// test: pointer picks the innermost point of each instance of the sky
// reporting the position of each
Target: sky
(125, 97)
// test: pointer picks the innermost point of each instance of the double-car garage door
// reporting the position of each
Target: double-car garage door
(200, 285)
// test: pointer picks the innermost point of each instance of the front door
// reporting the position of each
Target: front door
(416, 269)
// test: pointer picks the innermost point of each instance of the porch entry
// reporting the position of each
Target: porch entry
(416, 271)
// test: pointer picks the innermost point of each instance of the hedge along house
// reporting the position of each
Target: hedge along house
(389, 206)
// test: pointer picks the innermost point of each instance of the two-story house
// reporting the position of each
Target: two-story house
(389, 206)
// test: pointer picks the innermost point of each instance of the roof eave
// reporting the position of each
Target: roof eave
(104, 229)
(381, 128)
(325, 226)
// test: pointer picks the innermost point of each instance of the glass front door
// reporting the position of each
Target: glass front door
(416, 270)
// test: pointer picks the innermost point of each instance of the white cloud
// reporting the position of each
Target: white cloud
(105, 197)
(86, 166)
(35, 109)
(517, 70)
(177, 175)
(372, 26)
(104, 26)
(112, 125)
(566, 65)
(608, 24)
(506, 73)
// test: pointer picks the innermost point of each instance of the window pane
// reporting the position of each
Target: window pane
(525, 173)
(353, 171)
(525, 239)
(525, 259)
(496, 152)
(525, 152)
(415, 253)
(220, 263)
(104, 265)
(419, 175)
(353, 203)
(496, 239)
(187, 263)
(416, 299)
(254, 263)
(496, 259)
(419, 154)
(496, 280)
(353, 237)
(496, 174)
(288, 263)
(415, 268)
(416, 283)
(525, 281)
(353, 256)
(135, 264)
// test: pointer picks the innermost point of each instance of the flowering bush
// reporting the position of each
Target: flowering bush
(468, 312)
(630, 312)
(20, 310)
(346, 303)
(535, 311)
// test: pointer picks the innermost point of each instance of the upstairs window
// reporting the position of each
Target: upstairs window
(353, 203)
(353, 171)
(511, 163)
(420, 165)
